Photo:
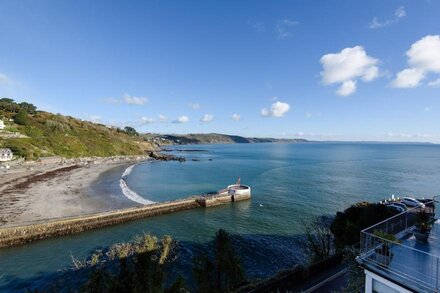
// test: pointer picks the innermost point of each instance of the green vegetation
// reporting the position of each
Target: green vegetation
(223, 273)
(140, 266)
(49, 134)
(21, 118)
(319, 240)
(347, 226)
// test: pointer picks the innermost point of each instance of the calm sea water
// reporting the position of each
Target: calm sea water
(290, 183)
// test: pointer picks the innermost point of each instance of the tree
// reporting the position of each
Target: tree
(139, 267)
(9, 105)
(28, 107)
(224, 272)
(131, 131)
(319, 240)
(21, 117)
(347, 226)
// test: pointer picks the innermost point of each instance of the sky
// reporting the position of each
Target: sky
(321, 70)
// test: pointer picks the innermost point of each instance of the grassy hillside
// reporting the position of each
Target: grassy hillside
(50, 134)
(211, 138)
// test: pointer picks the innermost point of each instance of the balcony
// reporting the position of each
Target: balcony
(409, 263)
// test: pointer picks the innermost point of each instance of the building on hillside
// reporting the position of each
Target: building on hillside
(397, 257)
(2, 125)
(6, 155)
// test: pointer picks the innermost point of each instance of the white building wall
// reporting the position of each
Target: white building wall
(385, 285)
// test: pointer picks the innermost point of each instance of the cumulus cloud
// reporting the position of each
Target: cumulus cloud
(135, 100)
(181, 119)
(194, 106)
(283, 28)
(347, 88)
(398, 14)
(346, 67)
(423, 59)
(407, 78)
(207, 118)
(277, 109)
(147, 120)
(236, 117)
(163, 118)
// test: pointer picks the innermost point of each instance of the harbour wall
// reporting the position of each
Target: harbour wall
(13, 236)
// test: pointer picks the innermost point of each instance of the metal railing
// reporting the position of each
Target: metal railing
(382, 246)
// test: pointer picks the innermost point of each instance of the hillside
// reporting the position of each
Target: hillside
(45, 134)
(212, 138)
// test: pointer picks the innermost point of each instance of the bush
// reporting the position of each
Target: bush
(21, 117)
(347, 226)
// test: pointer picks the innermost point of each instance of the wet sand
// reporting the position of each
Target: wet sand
(37, 193)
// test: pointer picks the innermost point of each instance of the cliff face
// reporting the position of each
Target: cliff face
(212, 138)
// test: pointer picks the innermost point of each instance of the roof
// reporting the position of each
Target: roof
(412, 264)
(5, 151)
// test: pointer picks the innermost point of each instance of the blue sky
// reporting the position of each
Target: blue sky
(325, 70)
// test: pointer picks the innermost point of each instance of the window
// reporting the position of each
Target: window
(379, 287)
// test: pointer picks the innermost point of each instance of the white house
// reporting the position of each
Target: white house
(405, 264)
(2, 125)
(6, 155)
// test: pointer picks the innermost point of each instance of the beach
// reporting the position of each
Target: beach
(37, 192)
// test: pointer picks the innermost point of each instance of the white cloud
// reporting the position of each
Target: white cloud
(128, 99)
(398, 14)
(194, 106)
(4, 79)
(407, 78)
(309, 115)
(346, 67)
(181, 119)
(277, 109)
(427, 109)
(147, 120)
(163, 118)
(207, 118)
(135, 100)
(283, 28)
(347, 88)
(236, 117)
(423, 58)
(434, 83)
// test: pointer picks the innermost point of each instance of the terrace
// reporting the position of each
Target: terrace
(411, 264)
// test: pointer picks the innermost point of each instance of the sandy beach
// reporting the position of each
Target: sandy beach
(37, 192)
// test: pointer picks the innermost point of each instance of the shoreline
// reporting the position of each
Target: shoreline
(35, 192)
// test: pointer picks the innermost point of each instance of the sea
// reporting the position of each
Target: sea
(292, 183)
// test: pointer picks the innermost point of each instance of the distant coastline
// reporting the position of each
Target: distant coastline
(212, 138)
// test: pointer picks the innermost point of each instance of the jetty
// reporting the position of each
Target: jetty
(19, 235)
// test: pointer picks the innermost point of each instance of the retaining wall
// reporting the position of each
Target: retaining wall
(12, 236)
